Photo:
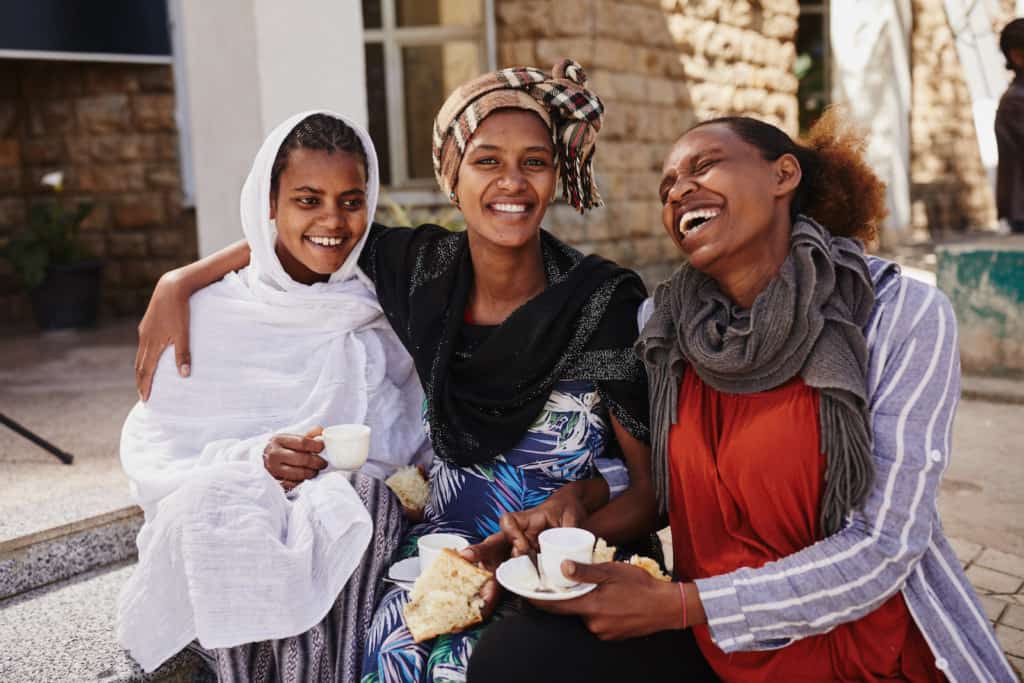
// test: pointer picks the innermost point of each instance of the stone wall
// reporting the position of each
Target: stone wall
(950, 190)
(110, 128)
(659, 66)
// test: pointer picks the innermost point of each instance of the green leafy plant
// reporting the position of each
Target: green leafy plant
(394, 213)
(51, 238)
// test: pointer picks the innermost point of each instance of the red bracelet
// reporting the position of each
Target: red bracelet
(682, 592)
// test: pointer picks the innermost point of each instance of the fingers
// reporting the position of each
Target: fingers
(489, 552)
(491, 593)
(515, 534)
(183, 354)
(299, 444)
(146, 359)
(587, 573)
(314, 432)
(293, 473)
(570, 517)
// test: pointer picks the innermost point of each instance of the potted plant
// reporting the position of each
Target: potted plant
(61, 276)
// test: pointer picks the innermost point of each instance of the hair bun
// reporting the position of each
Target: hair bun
(570, 70)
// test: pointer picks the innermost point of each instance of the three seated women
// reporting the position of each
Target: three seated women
(800, 393)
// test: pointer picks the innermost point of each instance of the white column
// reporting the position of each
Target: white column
(249, 64)
(871, 76)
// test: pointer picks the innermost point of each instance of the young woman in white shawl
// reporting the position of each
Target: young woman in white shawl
(250, 544)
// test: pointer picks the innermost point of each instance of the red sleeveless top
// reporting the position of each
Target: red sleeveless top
(747, 477)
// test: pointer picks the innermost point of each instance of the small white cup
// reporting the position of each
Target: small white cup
(346, 447)
(564, 543)
(431, 545)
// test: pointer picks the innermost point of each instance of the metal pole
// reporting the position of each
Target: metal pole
(63, 456)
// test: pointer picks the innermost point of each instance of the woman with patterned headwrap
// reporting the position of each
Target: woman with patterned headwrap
(523, 344)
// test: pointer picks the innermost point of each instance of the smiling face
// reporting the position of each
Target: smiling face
(320, 209)
(507, 178)
(722, 201)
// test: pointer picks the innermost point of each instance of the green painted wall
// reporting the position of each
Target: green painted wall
(985, 283)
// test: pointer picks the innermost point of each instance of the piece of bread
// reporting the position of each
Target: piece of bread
(410, 487)
(649, 566)
(446, 597)
(603, 552)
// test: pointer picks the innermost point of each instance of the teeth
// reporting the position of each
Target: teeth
(510, 208)
(686, 222)
(325, 241)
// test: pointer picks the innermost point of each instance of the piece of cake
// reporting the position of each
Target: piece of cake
(603, 552)
(446, 597)
(410, 486)
(649, 566)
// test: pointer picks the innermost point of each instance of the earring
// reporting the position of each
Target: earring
(451, 196)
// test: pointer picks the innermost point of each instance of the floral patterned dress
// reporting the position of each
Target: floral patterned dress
(560, 447)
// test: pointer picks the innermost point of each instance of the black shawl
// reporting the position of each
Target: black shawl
(480, 403)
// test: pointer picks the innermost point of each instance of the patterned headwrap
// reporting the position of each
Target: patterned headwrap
(571, 111)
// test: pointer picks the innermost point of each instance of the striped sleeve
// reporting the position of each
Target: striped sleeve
(615, 474)
(914, 387)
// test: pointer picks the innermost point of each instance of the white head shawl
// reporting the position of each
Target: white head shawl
(270, 356)
(261, 231)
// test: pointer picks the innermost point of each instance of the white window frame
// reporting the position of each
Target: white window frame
(393, 38)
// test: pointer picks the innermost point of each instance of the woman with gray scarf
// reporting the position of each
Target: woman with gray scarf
(802, 396)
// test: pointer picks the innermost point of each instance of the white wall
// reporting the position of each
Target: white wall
(249, 64)
(871, 76)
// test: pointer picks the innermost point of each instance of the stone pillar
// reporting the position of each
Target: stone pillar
(871, 76)
(248, 65)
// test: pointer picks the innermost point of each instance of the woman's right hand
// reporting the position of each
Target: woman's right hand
(292, 459)
(165, 322)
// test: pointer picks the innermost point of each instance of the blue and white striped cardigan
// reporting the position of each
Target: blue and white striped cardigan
(895, 543)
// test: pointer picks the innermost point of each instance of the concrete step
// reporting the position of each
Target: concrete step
(48, 555)
(66, 632)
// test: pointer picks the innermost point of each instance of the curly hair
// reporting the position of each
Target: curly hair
(318, 132)
(838, 189)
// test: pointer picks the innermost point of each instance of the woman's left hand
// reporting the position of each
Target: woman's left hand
(562, 508)
(488, 554)
(627, 603)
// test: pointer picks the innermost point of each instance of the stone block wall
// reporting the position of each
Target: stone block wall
(950, 190)
(659, 66)
(111, 129)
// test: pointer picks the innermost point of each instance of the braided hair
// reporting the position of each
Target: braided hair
(316, 132)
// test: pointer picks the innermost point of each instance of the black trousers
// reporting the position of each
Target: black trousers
(537, 647)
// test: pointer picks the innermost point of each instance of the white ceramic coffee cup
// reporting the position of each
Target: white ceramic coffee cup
(564, 543)
(431, 545)
(346, 447)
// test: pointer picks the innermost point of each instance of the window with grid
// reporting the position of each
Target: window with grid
(418, 51)
(813, 63)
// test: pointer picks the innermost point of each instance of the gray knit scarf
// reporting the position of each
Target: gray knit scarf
(808, 321)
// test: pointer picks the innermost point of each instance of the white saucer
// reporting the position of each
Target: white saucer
(405, 571)
(514, 573)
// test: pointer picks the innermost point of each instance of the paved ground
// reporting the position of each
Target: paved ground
(76, 388)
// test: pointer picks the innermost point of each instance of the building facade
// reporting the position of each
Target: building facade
(162, 146)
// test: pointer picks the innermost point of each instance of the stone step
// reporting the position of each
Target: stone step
(45, 556)
(66, 632)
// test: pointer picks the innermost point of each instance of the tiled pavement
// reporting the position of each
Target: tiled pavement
(999, 579)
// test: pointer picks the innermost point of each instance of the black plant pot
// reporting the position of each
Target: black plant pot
(68, 297)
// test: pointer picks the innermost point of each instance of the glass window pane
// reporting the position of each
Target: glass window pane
(377, 108)
(371, 14)
(439, 12)
(810, 67)
(430, 73)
